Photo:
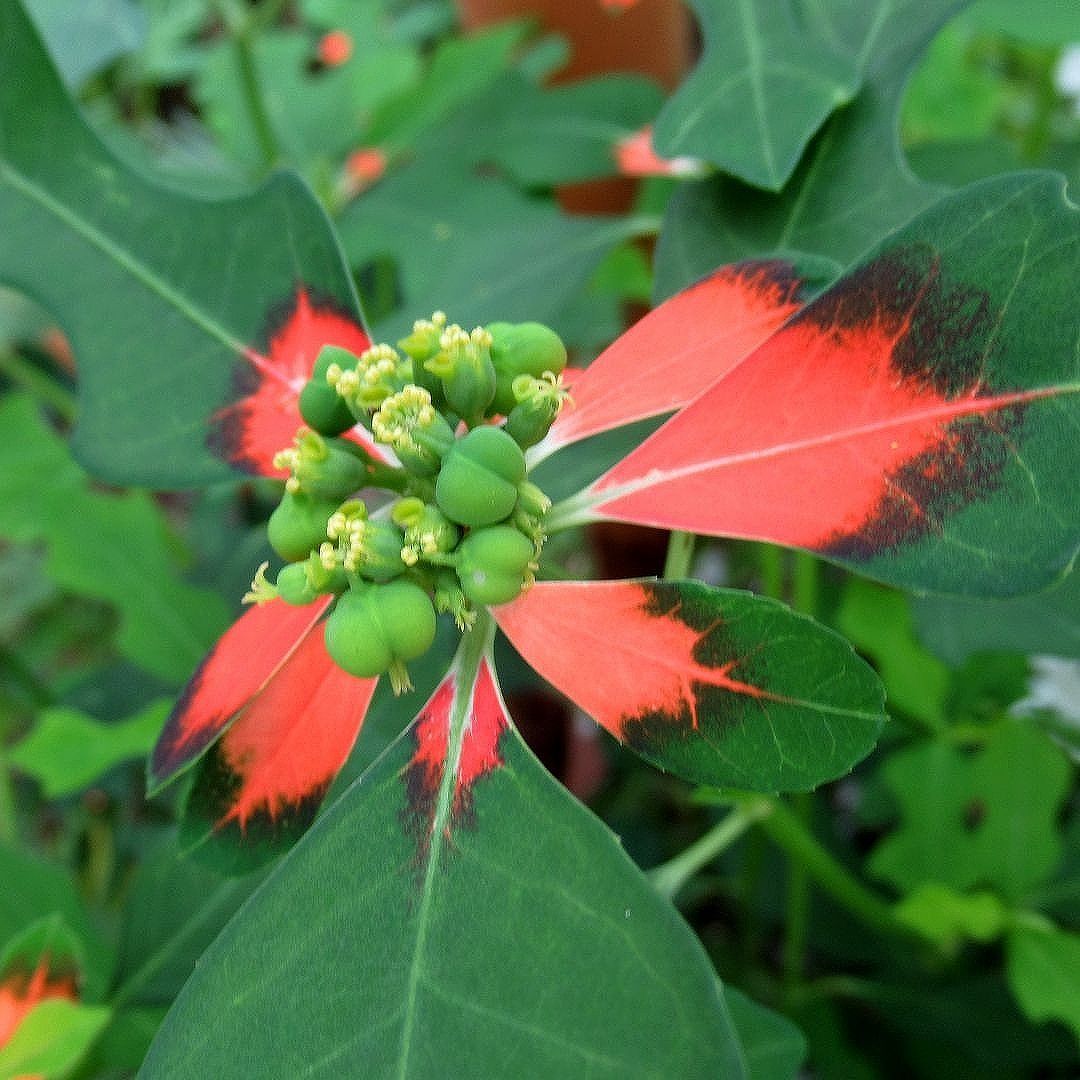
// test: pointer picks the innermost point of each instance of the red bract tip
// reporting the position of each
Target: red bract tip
(635, 156)
(335, 48)
(364, 166)
(618, 6)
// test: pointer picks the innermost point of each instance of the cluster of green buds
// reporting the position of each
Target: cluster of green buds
(453, 524)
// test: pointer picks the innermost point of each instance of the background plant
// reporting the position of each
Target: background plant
(958, 833)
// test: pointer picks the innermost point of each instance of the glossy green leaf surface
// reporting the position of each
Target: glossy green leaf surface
(765, 83)
(161, 333)
(916, 422)
(432, 913)
(851, 185)
(720, 687)
(112, 546)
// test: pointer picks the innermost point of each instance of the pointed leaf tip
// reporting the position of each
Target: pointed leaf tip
(244, 660)
(678, 350)
(720, 687)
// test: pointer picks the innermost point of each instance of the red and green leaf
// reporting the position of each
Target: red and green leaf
(679, 349)
(264, 418)
(721, 687)
(40, 964)
(918, 421)
(436, 904)
(246, 658)
(259, 787)
(165, 298)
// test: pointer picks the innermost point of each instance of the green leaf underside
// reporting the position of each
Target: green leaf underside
(720, 687)
(1043, 965)
(918, 421)
(852, 184)
(763, 86)
(160, 332)
(440, 958)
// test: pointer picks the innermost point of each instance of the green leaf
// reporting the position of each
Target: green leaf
(948, 916)
(773, 1047)
(84, 38)
(52, 1038)
(878, 621)
(765, 83)
(1047, 622)
(67, 750)
(113, 547)
(717, 686)
(1043, 968)
(1047, 22)
(161, 331)
(987, 817)
(851, 186)
(475, 247)
(456, 913)
(33, 889)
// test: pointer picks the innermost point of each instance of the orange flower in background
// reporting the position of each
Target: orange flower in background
(335, 48)
(19, 993)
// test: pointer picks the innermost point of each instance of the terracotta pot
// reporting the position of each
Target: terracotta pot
(652, 38)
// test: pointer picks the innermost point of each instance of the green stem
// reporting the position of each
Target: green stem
(672, 875)
(771, 568)
(793, 837)
(797, 915)
(680, 555)
(48, 391)
(242, 28)
(806, 583)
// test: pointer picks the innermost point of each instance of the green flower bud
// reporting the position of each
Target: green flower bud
(377, 628)
(478, 483)
(539, 402)
(522, 349)
(420, 346)
(428, 531)
(495, 564)
(294, 584)
(322, 467)
(463, 365)
(320, 404)
(378, 373)
(298, 524)
(410, 424)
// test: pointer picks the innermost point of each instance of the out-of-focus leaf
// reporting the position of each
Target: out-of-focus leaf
(987, 817)
(1046, 22)
(949, 917)
(67, 750)
(773, 1047)
(1043, 968)
(475, 247)
(85, 37)
(52, 1039)
(114, 547)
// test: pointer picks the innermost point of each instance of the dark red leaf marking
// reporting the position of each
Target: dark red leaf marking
(20, 991)
(630, 653)
(265, 415)
(273, 766)
(478, 755)
(237, 668)
(856, 428)
(678, 350)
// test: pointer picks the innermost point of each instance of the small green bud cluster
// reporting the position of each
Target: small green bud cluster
(463, 527)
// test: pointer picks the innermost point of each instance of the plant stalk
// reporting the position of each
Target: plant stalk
(680, 555)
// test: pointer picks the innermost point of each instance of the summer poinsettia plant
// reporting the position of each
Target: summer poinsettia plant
(877, 424)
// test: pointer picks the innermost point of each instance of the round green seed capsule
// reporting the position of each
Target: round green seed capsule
(321, 406)
(478, 482)
(294, 584)
(522, 349)
(494, 564)
(375, 628)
